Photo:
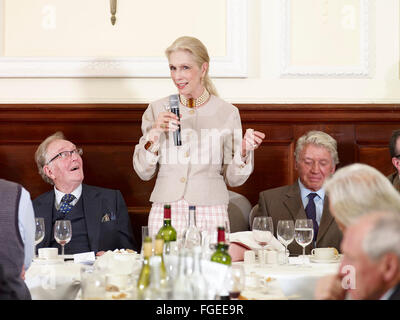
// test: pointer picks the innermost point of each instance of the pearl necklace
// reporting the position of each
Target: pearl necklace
(191, 103)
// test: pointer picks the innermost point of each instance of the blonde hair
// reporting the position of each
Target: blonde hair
(200, 55)
(41, 154)
(320, 139)
(358, 189)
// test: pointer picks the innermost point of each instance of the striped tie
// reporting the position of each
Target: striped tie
(66, 206)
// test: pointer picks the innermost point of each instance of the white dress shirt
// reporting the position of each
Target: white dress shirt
(26, 225)
(59, 195)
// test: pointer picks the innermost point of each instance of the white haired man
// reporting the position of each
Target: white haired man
(98, 216)
(354, 191)
(371, 258)
(316, 159)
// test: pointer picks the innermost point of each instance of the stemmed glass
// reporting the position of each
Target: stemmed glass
(304, 233)
(235, 280)
(262, 230)
(39, 232)
(285, 233)
(62, 233)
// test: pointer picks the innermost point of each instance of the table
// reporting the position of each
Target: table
(287, 281)
(61, 281)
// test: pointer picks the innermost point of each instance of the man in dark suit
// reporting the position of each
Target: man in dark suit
(394, 149)
(98, 216)
(316, 159)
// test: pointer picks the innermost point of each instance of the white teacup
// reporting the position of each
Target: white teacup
(48, 253)
(324, 253)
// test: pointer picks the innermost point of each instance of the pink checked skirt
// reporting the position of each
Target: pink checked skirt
(208, 218)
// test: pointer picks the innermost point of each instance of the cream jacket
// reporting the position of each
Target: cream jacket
(208, 160)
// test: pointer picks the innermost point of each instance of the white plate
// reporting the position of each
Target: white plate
(315, 260)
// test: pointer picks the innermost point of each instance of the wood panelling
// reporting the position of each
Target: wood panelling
(108, 134)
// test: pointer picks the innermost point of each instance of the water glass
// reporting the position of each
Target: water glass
(39, 232)
(304, 233)
(92, 283)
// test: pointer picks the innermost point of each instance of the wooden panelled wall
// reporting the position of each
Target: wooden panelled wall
(108, 134)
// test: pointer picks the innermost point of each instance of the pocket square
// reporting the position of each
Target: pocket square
(105, 218)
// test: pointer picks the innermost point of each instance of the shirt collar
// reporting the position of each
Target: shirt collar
(305, 192)
(77, 193)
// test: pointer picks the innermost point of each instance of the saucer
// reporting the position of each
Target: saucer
(334, 260)
(48, 261)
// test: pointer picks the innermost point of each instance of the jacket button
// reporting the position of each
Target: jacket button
(182, 180)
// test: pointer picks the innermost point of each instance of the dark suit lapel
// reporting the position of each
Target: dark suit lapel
(396, 293)
(293, 202)
(92, 211)
(326, 220)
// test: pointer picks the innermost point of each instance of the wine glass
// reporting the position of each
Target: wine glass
(145, 233)
(39, 232)
(285, 234)
(262, 230)
(304, 233)
(62, 233)
(235, 281)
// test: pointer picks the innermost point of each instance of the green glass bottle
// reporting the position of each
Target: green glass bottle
(158, 251)
(221, 254)
(144, 277)
(167, 231)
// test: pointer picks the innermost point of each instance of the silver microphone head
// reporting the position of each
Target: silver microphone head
(174, 101)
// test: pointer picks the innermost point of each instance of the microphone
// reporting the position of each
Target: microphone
(174, 105)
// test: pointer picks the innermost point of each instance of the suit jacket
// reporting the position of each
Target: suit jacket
(198, 171)
(97, 202)
(284, 203)
(396, 294)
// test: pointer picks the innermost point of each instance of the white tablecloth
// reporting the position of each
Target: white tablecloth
(291, 281)
(54, 281)
(61, 281)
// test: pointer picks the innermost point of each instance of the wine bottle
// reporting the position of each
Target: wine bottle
(192, 237)
(167, 231)
(221, 254)
(144, 277)
(158, 251)
(156, 290)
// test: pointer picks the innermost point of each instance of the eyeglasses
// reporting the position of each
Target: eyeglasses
(66, 154)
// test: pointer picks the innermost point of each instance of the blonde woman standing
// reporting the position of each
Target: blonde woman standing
(212, 155)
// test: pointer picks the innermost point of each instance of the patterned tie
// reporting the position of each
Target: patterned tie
(66, 206)
(312, 213)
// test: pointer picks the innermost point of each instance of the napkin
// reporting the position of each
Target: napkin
(119, 262)
(246, 240)
(85, 257)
